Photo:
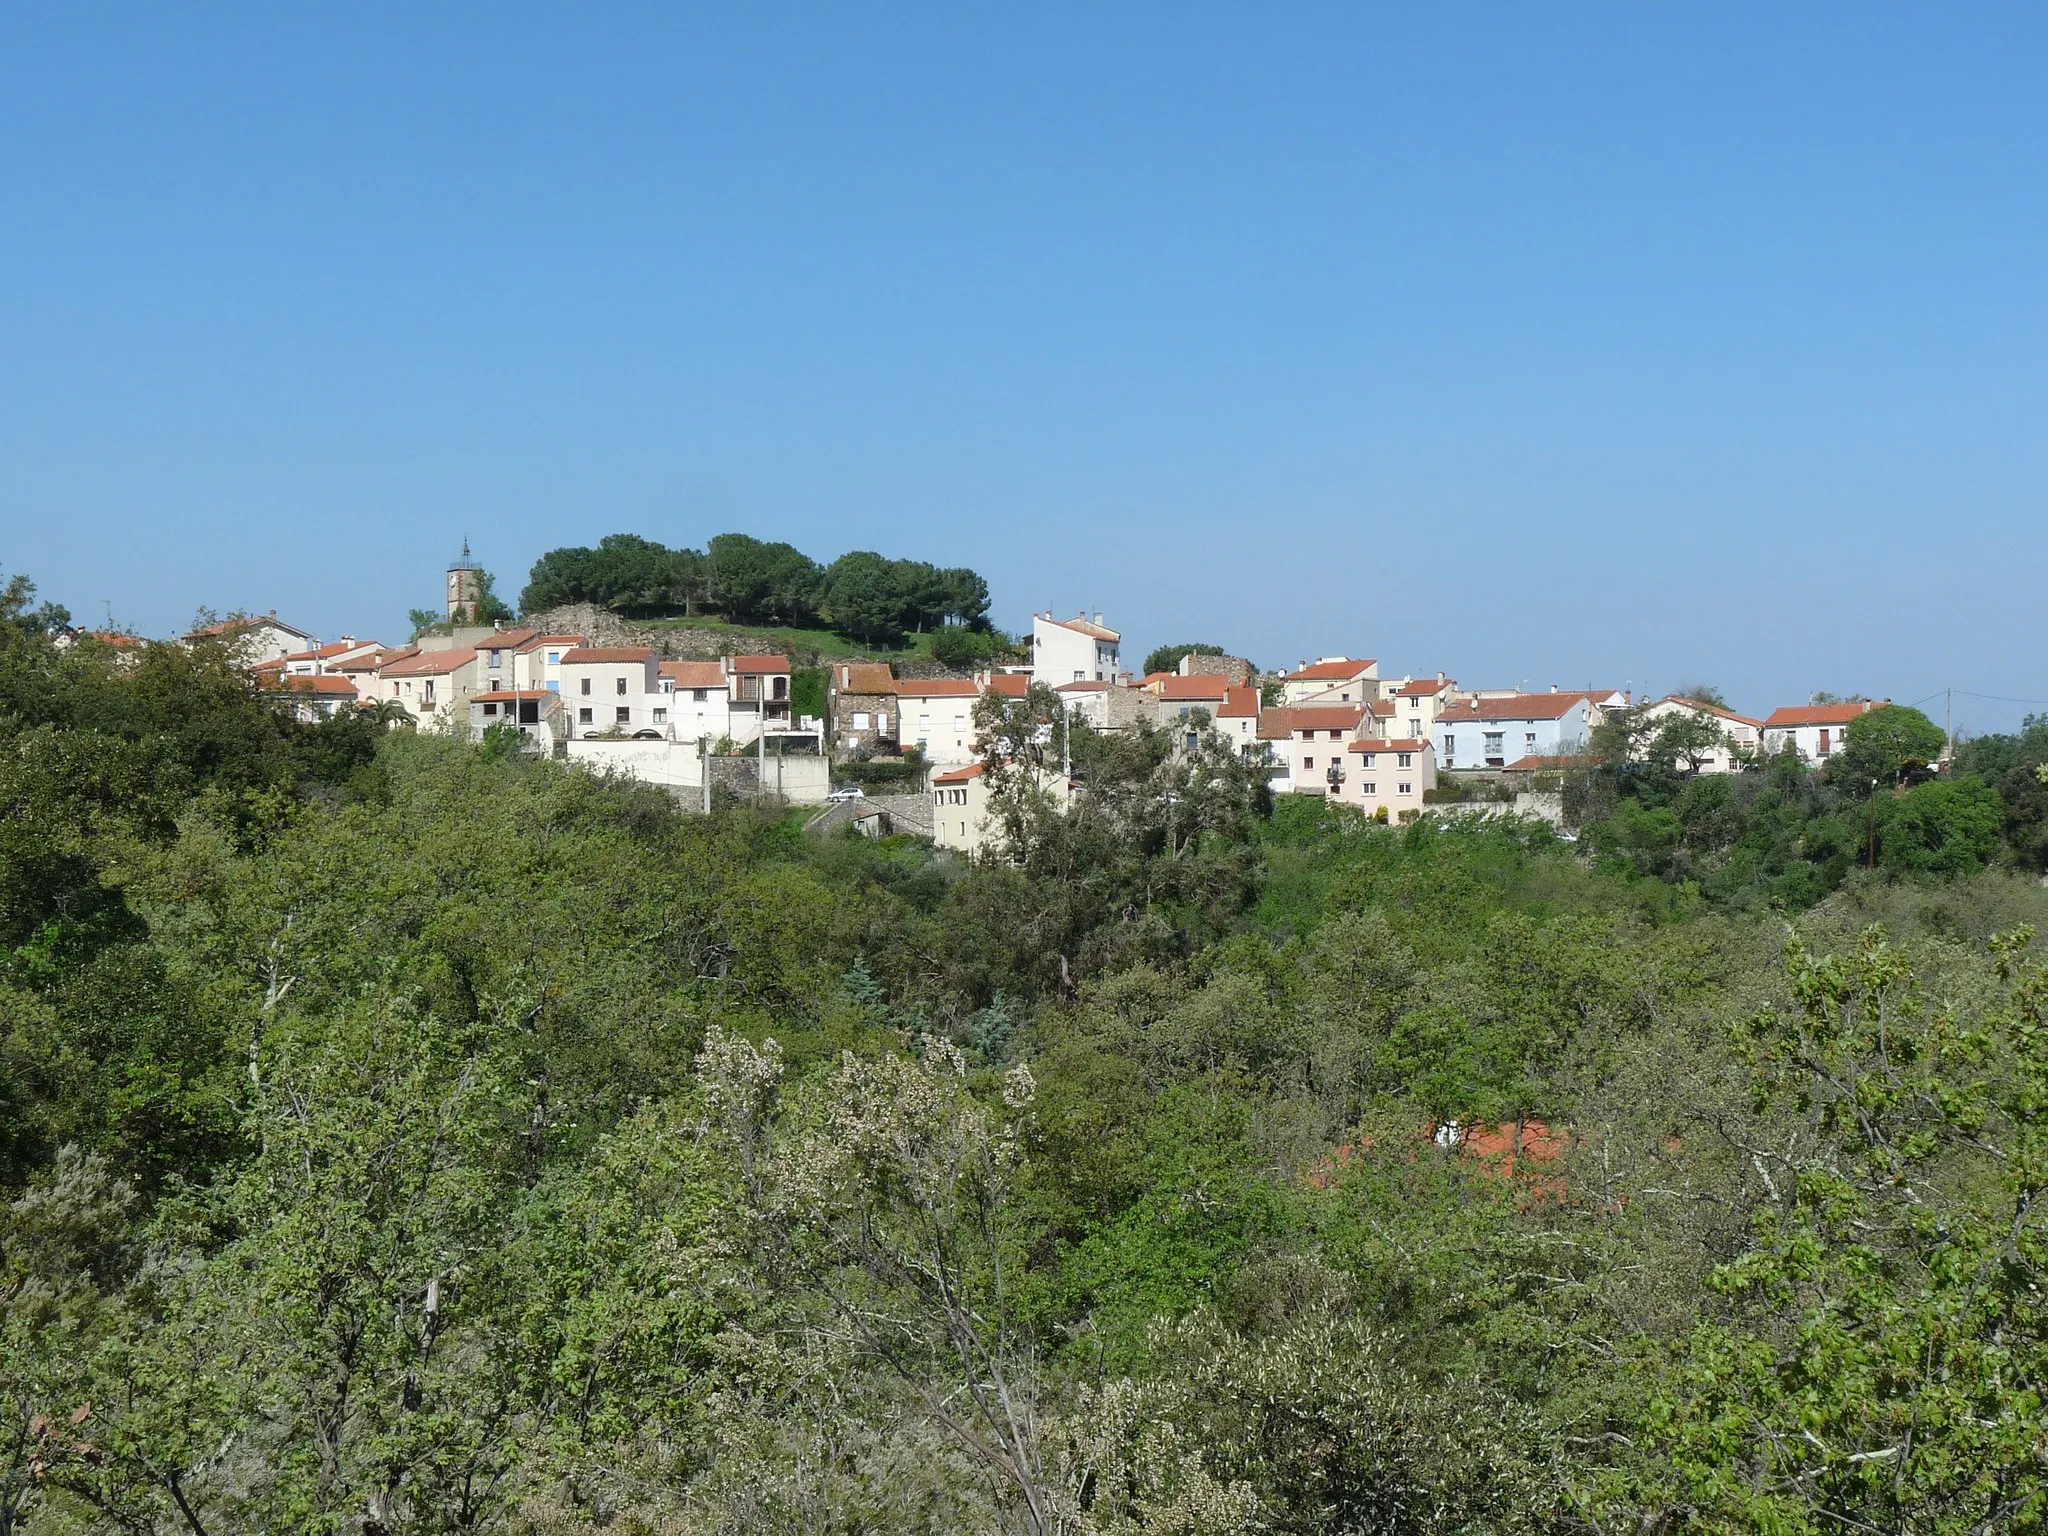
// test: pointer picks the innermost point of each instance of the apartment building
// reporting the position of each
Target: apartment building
(1815, 731)
(1386, 779)
(1075, 650)
(611, 690)
(1332, 680)
(1492, 732)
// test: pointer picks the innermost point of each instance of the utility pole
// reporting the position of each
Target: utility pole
(1949, 730)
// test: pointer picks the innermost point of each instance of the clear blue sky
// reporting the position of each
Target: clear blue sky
(1563, 344)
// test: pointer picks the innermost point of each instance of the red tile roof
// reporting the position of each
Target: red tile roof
(508, 640)
(372, 660)
(694, 674)
(1241, 703)
(962, 775)
(1010, 685)
(539, 640)
(1083, 687)
(1398, 744)
(1332, 671)
(431, 663)
(760, 664)
(1211, 686)
(1523, 706)
(601, 655)
(235, 626)
(1276, 724)
(1543, 762)
(509, 695)
(937, 688)
(1421, 688)
(1818, 714)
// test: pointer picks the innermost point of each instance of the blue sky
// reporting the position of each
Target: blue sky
(1610, 344)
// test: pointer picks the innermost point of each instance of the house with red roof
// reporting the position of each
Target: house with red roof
(1386, 778)
(255, 637)
(1311, 752)
(434, 687)
(1815, 731)
(962, 811)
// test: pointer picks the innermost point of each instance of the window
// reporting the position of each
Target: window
(782, 687)
(622, 686)
(860, 720)
(1368, 789)
(1308, 762)
(699, 695)
(490, 709)
(554, 658)
(1372, 759)
(1450, 743)
(586, 687)
(1494, 740)
(924, 727)
(959, 725)
(1529, 740)
(430, 699)
(668, 685)
(661, 717)
(1080, 677)
(496, 684)
(583, 717)
(624, 715)
(495, 655)
(1407, 789)
(1404, 760)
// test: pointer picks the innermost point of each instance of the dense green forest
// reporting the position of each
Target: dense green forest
(408, 1135)
(861, 594)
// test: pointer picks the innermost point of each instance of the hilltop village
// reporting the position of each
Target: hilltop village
(891, 746)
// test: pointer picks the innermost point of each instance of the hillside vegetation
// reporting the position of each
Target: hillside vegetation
(410, 1135)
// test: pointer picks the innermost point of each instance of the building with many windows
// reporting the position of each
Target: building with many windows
(1493, 732)
(1073, 650)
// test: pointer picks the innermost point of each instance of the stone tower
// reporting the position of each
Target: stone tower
(465, 588)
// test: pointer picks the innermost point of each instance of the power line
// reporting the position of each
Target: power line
(1996, 697)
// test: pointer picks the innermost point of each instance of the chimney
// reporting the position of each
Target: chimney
(1553, 687)
(1439, 677)
(1098, 616)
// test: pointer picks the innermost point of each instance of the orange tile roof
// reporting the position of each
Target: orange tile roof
(1210, 686)
(602, 655)
(1523, 706)
(376, 659)
(1082, 687)
(1276, 724)
(760, 664)
(247, 621)
(1397, 744)
(1543, 762)
(863, 677)
(1241, 703)
(937, 688)
(694, 674)
(509, 695)
(1010, 685)
(1332, 671)
(114, 637)
(508, 640)
(431, 663)
(1819, 714)
(1421, 689)
(962, 775)
(539, 640)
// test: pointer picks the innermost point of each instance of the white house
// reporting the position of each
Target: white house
(1740, 735)
(314, 695)
(1073, 650)
(697, 699)
(538, 714)
(1817, 731)
(1389, 777)
(328, 658)
(1494, 732)
(612, 690)
(1417, 701)
(1332, 680)
(256, 638)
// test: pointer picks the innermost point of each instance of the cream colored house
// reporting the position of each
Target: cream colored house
(256, 638)
(961, 818)
(1390, 776)
(1315, 745)
(1073, 650)
(936, 715)
(434, 687)
(537, 663)
(1741, 737)
(696, 700)
(1332, 680)
(1817, 731)
(1417, 701)
(1238, 720)
(324, 659)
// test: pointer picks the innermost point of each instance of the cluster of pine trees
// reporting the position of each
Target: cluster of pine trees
(404, 1134)
(862, 594)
